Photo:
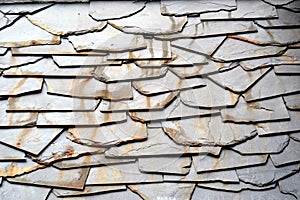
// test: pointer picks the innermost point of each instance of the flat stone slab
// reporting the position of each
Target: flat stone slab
(290, 185)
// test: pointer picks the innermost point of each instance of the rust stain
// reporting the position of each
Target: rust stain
(148, 101)
(18, 86)
(70, 151)
(107, 117)
(23, 136)
(244, 39)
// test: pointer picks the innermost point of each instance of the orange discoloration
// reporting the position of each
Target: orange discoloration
(243, 39)
(70, 151)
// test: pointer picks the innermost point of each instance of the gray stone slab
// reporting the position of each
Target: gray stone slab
(290, 185)
(16, 119)
(32, 140)
(179, 8)
(196, 28)
(30, 35)
(12, 169)
(278, 3)
(62, 148)
(151, 147)
(73, 19)
(292, 101)
(28, 8)
(228, 159)
(47, 102)
(295, 136)
(285, 19)
(290, 154)
(63, 48)
(19, 86)
(245, 10)
(89, 88)
(227, 176)
(127, 72)
(7, 20)
(169, 82)
(204, 46)
(16, 191)
(265, 174)
(218, 98)
(9, 154)
(176, 109)
(101, 10)
(170, 191)
(234, 49)
(286, 126)
(120, 174)
(150, 21)
(108, 40)
(139, 102)
(47, 68)
(52, 177)
(207, 131)
(263, 145)
(258, 111)
(107, 135)
(3, 50)
(272, 85)
(8, 60)
(88, 190)
(242, 79)
(165, 165)
(293, 6)
(287, 69)
(83, 61)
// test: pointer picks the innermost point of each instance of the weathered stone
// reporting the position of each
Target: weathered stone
(83, 61)
(279, 3)
(290, 185)
(11, 169)
(295, 136)
(287, 69)
(9, 154)
(292, 101)
(16, 9)
(7, 20)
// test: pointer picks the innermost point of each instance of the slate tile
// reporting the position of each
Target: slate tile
(62, 119)
(287, 69)
(215, 96)
(242, 79)
(8, 60)
(10, 191)
(170, 191)
(258, 111)
(272, 85)
(285, 19)
(127, 72)
(150, 21)
(179, 8)
(139, 102)
(62, 148)
(176, 109)
(88, 190)
(167, 83)
(293, 6)
(109, 39)
(152, 63)
(107, 135)
(47, 68)
(279, 37)
(3, 50)
(263, 145)
(290, 154)
(290, 185)
(227, 176)
(156, 49)
(32, 140)
(165, 165)
(100, 10)
(11, 169)
(292, 101)
(277, 3)
(244, 194)
(83, 61)
(196, 28)
(265, 174)
(95, 159)
(16, 9)
(73, 19)
(152, 147)
(269, 128)
(46, 102)
(63, 48)
(295, 136)
(256, 9)
(233, 187)
(207, 131)
(9, 154)
(228, 159)
(7, 20)
(120, 174)
(89, 88)
(52, 177)
(30, 35)
(234, 49)
(204, 46)
(19, 86)
(16, 119)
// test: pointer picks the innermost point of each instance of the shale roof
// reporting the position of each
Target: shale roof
(149, 99)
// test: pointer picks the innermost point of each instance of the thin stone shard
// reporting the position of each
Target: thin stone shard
(287, 69)
(234, 187)
(290, 185)
(12, 169)
(292, 101)
(9, 154)
(83, 61)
